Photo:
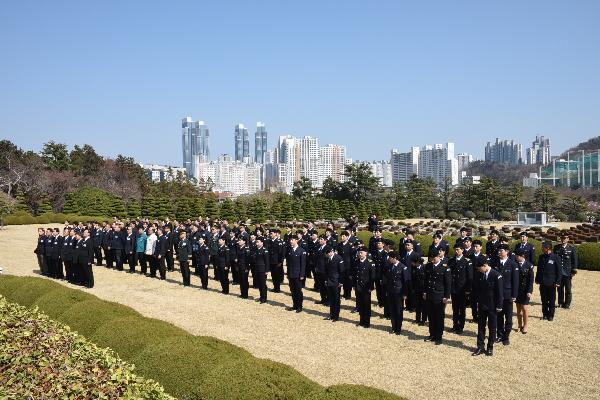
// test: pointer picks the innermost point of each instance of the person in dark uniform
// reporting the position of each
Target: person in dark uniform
(526, 279)
(373, 240)
(77, 272)
(379, 257)
(364, 276)
(276, 250)
(491, 247)
(160, 251)
(184, 251)
(567, 255)
(130, 249)
(48, 252)
(490, 289)
(321, 271)
(86, 258)
(169, 242)
(67, 253)
(417, 281)
(476, 258)
(461, 269)
(194, 240)
(97, 239)
(57, 246)
(334, 269)
(106, 240)
(296, 272)
(312, 251)
(232, 243)
(410, 235)
(548, 276)
(438, 286)
(203, 259)
(116, 247)
(510, 281)
(409, 247)
(223, 264)
(464, 233)
(243, 261)
(397, 276)
(438, 245)
(261, 264)
(526, 248)
(344, 249)
(40, 252)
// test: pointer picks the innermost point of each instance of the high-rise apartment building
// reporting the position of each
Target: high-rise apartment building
(404, 165)
(260, 143)
(195, 142)
(242, 142)
(539, 152)
(504, 152)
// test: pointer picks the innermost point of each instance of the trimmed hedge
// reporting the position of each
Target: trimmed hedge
(187, 366)
(589, 256)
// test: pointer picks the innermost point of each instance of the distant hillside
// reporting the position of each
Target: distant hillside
(591, 144)
(501, 172)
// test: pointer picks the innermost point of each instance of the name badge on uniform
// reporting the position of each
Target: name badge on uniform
(128, 238)
(550, 261)
(84, 245)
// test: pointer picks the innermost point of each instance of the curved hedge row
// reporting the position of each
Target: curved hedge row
(187, 366)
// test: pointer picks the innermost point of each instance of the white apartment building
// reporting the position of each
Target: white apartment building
(228, 175)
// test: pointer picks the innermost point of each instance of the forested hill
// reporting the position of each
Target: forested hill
(591, 144)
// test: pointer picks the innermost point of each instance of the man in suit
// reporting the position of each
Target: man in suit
(296, 272)
(476, 257)
(184, 251)
(321, 271)
(276, 250)
(116, 247)
(242, 261)
(97, 239)
(223, 264)
(438, 286)
(86, 258)
(67, 253)
(261, 264)
(462, 277)
(510, 281)
(334, 269)
(160, 251)
(169, 241)
(130, 249)
(57, 245)
(490, 289)
(364, 276)
(397, 276)
(549, 276)
(567, 255)
(344, 249)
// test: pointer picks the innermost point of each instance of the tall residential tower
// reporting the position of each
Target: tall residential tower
(260, 143)
(195, 142)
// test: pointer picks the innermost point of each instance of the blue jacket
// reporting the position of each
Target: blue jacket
(141, 243)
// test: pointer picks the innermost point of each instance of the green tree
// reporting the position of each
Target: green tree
(287, 213)
(241, 209)
(116, 207)
(211, 208)
(308, 210)
(56, 156)
(85, 161)
(226, 210)
(360, 182)
(545, 199)
(302, 189)
(43, 205)
(133, 208)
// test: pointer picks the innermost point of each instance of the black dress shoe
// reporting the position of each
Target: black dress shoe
(334, 319)
(459, 331)
(478, 352)
(489, 352)
(298, 310)
(438, 342)
(506, 342)
(327, 318)
(289, 308)
(354, 311)
(428, 339)
(550, 318)
(566, 307)
(498, 339)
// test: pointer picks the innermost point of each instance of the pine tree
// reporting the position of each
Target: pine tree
(347, 209)
(287, 213)
(197, 207)
(183, 209)
(149, 204)
(275, 211)
(309, 210)
(361, 212)
(70, 206)
(211, 208)
(44, 206)
(164, 207)
(332, 210)
(258, 210)
(21, 203)
(226, 210)
(133, 208)
(116, 207)
(398, 211)
(240, 210)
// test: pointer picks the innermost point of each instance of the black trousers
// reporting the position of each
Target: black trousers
(224, 278)
(184, 266)
(364, 306)
(261, 283)
(69, 270)
(474, 305)
(333, 293)
(42, 264)
(380, 292)
(88, 275)
(78, 276)
(235, 273)
(108, 256)
(162, 268)
(276, 277)
(436, 318)
(410, 298)
(98, 255)
(420, 308)
(296, 289)
(131, 261)
(564, 291)
(486, 318)
(203, 272)
(320, 280)
(395, 307)
(459, 310)
(244, 285)
(117, 255)
(548, 295)
(196, 263)
(505, 318)
(170, 261)
(347, 284)
(141, 257)
(254, 276)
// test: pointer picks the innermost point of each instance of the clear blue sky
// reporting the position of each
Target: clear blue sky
(120, 75)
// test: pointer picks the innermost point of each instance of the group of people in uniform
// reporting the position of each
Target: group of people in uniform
(490, 281)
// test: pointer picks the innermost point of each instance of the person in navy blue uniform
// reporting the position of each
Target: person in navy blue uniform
(409, 235)
(491, 247)
(526, 279)
(223, 264)
(334, 269)
(344, 249)
(510, 280)
(160, 252)
(130, 249)
(476, 257)
(57, 266)
(67, 253)
(106, 240)
(526, 248)
(86, 258)
(464, 233)
(277, 251)
(364, 278)
(242, 258)
(437, 245)
(417, 281)
(98, 236)
(397, 276)
(40, 251)
(438, 287)
(321, 271)
(169, 240)
(296, 272)
(490, 290)
(48, 252)
(567, 255)
(379, 257)
(548, 276)
(116, 247)
(461, 269)
(203, 260)
(409, 251)
(260, 263)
